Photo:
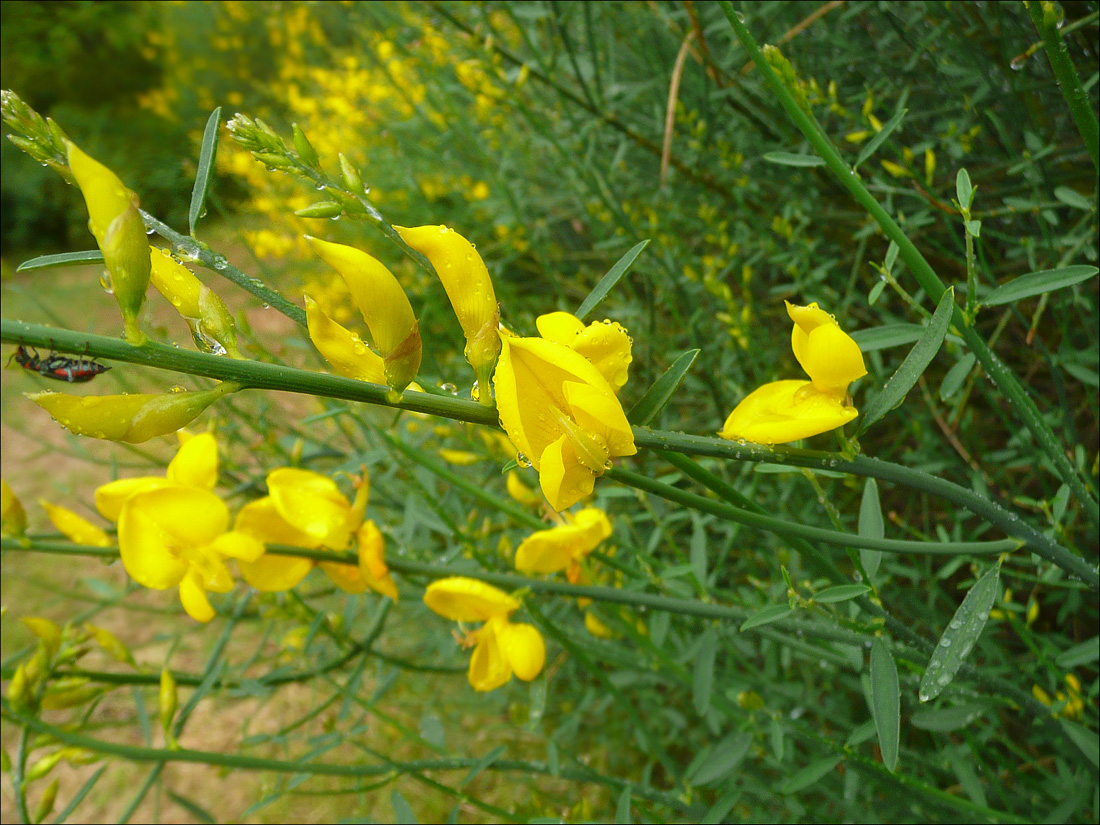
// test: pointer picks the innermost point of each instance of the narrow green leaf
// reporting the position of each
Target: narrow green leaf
(962, 632)
(861, 734)
(663, 388)
(402, 812)
(1083, 374)
(91, 256)
(1036, 283)
(609, 280)
(698, 550)
(195, 809)
(883, 133)
(431, 729)
(840, 593)
(203, 178)
(871, 525)
(622, 810)
(703, 679)
(885, 702)
(914, 364)
(810, 774)
(891, 256)
(960, 760)
(719, 811)
(1071, 197)
(791, 159)
(1087, 740)
(771, 613)
(955, 377)
(79, 797)
(1085, 653)
(481, 764)
(875, 292)
(887, 336)
(942, 720)
(726, 756)
(963, 190)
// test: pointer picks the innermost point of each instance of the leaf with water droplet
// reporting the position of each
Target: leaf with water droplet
(962, 632)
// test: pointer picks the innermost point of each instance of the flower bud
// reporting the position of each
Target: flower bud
(130, 418)
(352, 179)
(13, 518)
(75, 528)
(306, 153)
(114, 219)
(169, 700)
(46, 802)
(321, 209)
(209, 318)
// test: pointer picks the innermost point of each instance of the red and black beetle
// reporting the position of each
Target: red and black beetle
(58, 367)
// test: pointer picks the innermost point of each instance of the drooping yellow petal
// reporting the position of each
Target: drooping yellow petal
(114, 220)
(597, 411)
(342, 348)
(76, 528)
(312, 503)
(374, 289)
(211, 323)
(130, 418)
(549, 551)
(261, 520)
(563, 478)
(194, 600)
(345, 576)
(829, 355)
(462, 599)
(489, 669)
(559, 327)
(372, 561)
(238, 545)
(520, 491)
(196, 462)
(523, 649)
(110, 497)
(786, 411)
(13, 518)
(466, 282)
(274, 574)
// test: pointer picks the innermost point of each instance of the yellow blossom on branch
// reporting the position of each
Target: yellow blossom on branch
(130, 418)
(114, 219)
(207, 316)
(785, 411)
(604, 343)
(564, 547)
(562, 414)
(75, 528)
(501, 648)
(385, 308)
(13, 518)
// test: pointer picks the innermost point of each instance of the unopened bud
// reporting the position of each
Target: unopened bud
(321, 209)
(169, 700)
(13, 518)
(306, 153)
(350, 174)
(46, 802)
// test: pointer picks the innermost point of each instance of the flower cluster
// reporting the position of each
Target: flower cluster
(785, 411)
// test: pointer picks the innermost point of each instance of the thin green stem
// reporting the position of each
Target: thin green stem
(256, 375)
(999, 373)
(1045, 17)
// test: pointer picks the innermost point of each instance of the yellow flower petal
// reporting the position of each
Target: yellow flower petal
(345, 576)
(13, 517)
(785, 411)
(208, 317)
(829, 355)
(597, 411)
(261, 520)
(489, 669)
(549, 551)
(520, 491)
(372, 561)
(130, 418)
(462, 599)
(461, 458)
(196, 462)
(559, 327)
(157, 528)
(274, 574)
(563, 478)
(604, 343)
(238, 545)
(110, 497)
(312, 503)
(193, 597)
(342, 348)
(523, 649)
(597, 628)
(467, 284)
(76, 528)
(375, 290)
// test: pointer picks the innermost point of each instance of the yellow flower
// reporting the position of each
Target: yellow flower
(342, 348)
(606, 344)
(384, 307)
(785, 411)
(564, 547)
(306, 509)
(194, 465)
(130, 418)
(501, 648)
(207, 316)
(13, 518)
(562, 414)
(1073, 699)
(469, 288)
(75, 528)
(178, 536)
(114, 220)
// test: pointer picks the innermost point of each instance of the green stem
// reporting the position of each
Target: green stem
(994, 367)
(1043, 15)
(256, 375)
(134, 753)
